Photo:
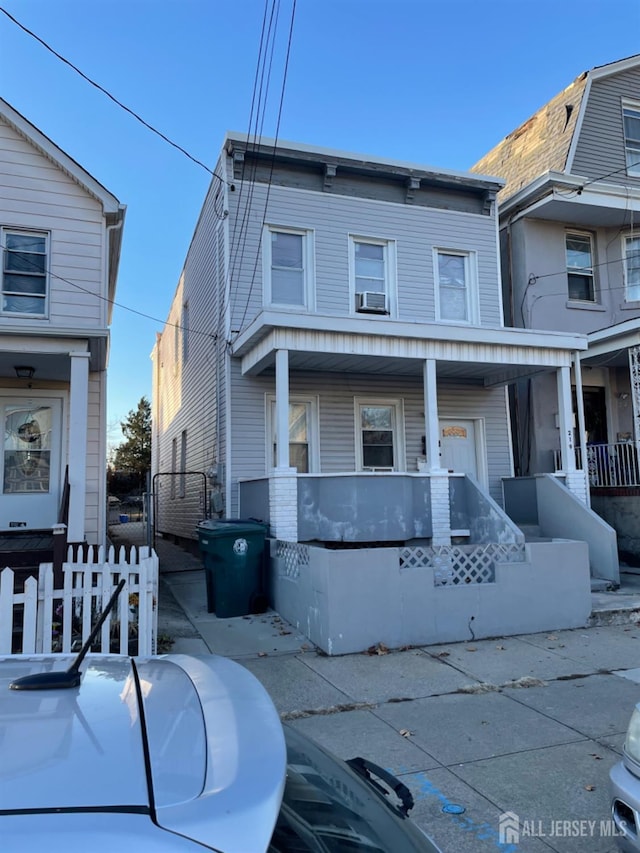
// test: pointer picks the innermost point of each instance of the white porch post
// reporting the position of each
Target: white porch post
(77, 455)
(283, 484)
(575, 480)
(634, 375)
(438, 477)
(582, 430)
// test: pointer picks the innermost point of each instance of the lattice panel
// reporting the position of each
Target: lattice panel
(457, 564)
(292, 557)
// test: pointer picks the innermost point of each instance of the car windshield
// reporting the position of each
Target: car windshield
(327, 808)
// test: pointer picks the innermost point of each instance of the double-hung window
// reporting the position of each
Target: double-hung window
(379, 435)
(631, 123)
(631, 251)
(456, 296)
(372, 266)
(24, 273)
(288, 267)
(302, 445)
(580, 277)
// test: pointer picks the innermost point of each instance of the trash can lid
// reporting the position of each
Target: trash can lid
(230, 527)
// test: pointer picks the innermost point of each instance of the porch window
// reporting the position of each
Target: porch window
(372, 273)
(455, 287)
(288, 267)
(579, 251)
(27, 449)
(632, 269)
(301, 430)
(631, 121)
(24, 273)
(379, 438)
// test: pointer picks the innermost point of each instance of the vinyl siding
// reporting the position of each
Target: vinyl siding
(36, 195)
(332, 218)
(336, 393)
(600, 148)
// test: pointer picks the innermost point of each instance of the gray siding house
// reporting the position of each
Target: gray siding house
(570, 240)
(60, 237)
(335, 363)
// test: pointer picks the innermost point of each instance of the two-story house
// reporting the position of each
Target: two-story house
(335, 363)
(570, 238)
(60, 236)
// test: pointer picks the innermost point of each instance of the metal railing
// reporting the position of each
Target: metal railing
(608, 465)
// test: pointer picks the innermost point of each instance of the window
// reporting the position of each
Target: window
(631, 122)
(379, 440)
(632, 269)
(372, 267)
(455, 286)
(302, 450)
(24, 273)
(288, 264)
(580, 267)
(174, 463)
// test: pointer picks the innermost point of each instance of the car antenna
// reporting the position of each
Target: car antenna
(69, 677)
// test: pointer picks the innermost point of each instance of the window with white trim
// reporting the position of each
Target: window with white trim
(631, 124)
(174, 463)
(456, 286)
(379, 437)
(288, 267)
(372, 273)
(580, 276)
(631, 254)
(24, 272)
(183, 463)
(303, 450)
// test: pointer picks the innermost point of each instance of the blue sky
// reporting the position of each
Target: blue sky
(437, 82)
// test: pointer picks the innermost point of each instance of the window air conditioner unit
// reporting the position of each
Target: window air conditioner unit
(372, 302)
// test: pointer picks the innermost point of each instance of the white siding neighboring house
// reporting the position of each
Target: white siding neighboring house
(345, 368)
(570, 235)
(60, 236)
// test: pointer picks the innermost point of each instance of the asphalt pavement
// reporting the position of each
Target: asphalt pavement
(528, 725)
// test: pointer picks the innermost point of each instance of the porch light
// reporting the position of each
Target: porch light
(24, 372)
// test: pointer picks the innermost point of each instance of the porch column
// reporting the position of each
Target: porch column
(574, 479)
(438, 477)
(634, 375)
(77, 455)
(283, 483)
(582, 430)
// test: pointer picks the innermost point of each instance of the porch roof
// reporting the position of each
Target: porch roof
(485, 355)
(612, 343)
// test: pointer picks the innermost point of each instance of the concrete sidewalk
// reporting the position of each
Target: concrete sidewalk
(528, 724)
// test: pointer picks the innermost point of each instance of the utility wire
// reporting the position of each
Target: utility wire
(51, 274)
(112, 97)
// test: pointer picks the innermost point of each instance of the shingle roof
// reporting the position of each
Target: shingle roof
(539, 145)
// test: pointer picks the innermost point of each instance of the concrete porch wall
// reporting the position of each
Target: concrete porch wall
(346, 601)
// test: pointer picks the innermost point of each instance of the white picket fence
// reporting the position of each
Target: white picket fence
(43, 619)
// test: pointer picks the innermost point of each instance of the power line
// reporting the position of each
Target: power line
(51, 274)
(113, 98)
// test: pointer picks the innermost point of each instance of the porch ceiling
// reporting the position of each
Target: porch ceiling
(487, 356)
(49, 357)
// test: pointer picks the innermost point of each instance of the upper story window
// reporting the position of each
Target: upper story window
(631, 253)
(631, 122)
(372, 268)
(24, 273)
(579, 249)
(288, 267)
(456, 286)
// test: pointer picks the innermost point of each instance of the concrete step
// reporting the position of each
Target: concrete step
(601, 585)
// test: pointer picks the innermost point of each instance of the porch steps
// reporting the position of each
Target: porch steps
(532, 533)
(617, 607)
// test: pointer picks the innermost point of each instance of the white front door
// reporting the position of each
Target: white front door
(30, 488)
(459, 448)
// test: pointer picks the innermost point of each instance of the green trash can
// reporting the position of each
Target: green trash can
(233, 557)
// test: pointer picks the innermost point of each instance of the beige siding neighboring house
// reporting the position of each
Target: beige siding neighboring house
(570, 239)
(60, 233)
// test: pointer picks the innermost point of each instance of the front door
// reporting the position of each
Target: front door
(30, 462)
(458, 447)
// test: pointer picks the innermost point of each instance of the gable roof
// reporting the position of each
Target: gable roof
(57, 156)
(547, 140)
